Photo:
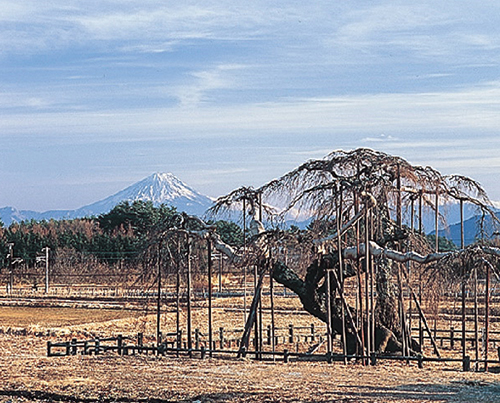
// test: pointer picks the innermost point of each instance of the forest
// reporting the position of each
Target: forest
(121, 238)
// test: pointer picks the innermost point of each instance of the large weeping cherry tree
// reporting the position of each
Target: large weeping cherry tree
(367, 231)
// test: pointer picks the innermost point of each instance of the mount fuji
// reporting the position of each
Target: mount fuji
(159, 188)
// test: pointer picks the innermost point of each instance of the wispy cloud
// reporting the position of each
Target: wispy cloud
(381, 138)
(202, 83)
(476, 108)
(297, 80)
(32, 26)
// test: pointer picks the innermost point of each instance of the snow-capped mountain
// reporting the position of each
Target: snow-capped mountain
(159, 188)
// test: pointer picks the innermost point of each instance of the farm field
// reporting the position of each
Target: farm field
(27, 374)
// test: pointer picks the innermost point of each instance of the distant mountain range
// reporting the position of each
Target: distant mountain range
(165, 188)
(160, 188)
(471, 230)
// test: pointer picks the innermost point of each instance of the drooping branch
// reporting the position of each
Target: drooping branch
(354, 253)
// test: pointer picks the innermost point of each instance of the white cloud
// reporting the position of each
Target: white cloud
(203, 82)
(381, 138)
(476, 108)
(32, 26)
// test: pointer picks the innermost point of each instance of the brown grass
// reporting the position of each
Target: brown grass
(26, 374)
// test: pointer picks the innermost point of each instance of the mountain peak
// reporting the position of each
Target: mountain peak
(159, 188)
(163, 177)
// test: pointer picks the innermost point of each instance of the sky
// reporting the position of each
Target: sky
(96, 95)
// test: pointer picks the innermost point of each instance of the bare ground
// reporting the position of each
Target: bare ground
(27, 374)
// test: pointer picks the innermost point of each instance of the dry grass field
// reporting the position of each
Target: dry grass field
(27, 374)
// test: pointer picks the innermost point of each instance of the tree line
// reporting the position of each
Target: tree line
(124, 234)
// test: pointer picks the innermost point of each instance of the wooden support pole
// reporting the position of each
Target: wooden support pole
(401, 310)
(420, 230)
(367, 284)
(261, 331)
(178, 297)
(341, 271)
(256, 322)
(271, 290)
(251, 318)
(412, 214)
(158, 299)
(436, 220)
(487, 314)
(329, 340)
(346, 307)
(399, 203)
(210, 331)
(189, 318)
(359, 282)
(476, 320)
(372, 304)
(409, 268)
(244, 266)
(462, 246)
(221, 263)
(422, 317)
(420, 212)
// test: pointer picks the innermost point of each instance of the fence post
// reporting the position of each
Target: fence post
(179, 341)
(286, 356)
(73, 346)
(97, 346)
(466, 364)
(140, 341)
(373, 359)
(221, 337)
(49, 347)
(119, 343)
(269, 336)
(420, 360)
(313, 336)
(67, 348)
(203, 352)
(290, 333)
(196, 339)
(452, 337)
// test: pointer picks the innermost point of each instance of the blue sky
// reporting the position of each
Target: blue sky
(95, 95)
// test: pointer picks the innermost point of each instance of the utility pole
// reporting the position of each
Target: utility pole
(10, 283)
(46, 250)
